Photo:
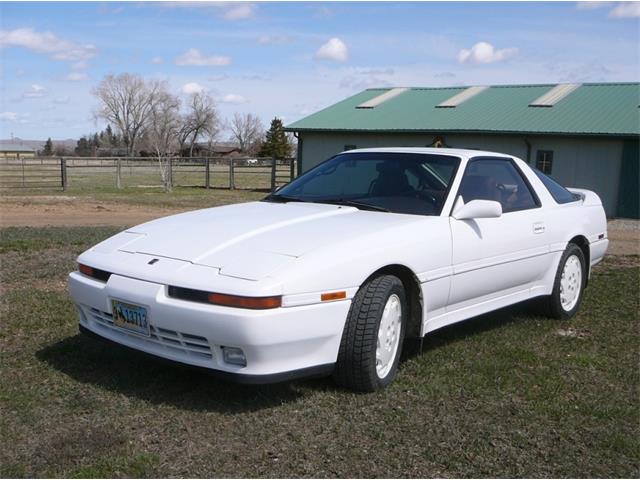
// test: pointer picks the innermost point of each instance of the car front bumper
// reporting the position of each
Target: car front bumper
(279, 344)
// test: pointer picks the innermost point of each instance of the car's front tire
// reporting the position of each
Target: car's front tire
(568, 287)
(373, 335)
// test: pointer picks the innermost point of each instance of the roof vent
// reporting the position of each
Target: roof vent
(388, 95)
(461, 97)
(554, 95)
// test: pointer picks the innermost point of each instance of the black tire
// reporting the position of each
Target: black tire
(552, 304)
(356, 365)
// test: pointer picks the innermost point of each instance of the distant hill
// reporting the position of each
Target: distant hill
(69, 143)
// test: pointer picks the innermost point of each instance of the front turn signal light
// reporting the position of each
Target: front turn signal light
(96, 273)
(255, 303)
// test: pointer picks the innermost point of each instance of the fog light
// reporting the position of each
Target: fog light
(234, 356)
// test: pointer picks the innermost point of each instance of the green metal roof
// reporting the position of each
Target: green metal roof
(591, 109)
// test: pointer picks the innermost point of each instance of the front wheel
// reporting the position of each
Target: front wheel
(373, 335)
(564, 301)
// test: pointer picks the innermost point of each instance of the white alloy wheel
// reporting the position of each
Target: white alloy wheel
(570, 283)
(388, 336)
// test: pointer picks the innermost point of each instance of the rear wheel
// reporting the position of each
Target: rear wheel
(564, 301)
(373, 335)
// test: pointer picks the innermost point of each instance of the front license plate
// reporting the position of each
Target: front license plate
(130, 317)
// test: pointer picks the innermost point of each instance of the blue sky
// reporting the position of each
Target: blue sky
(291, 59)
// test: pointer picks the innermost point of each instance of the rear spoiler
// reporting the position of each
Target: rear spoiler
(587, 197)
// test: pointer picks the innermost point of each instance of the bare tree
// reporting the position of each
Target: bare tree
(162, 132)
(126, 101)
(247, 130)
(200, 121)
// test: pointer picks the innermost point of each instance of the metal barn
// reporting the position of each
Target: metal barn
(584, 135)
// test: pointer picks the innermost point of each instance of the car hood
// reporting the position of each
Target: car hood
(250, 240)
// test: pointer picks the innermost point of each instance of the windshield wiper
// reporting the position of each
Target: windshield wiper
(282, 199)
(354, 203)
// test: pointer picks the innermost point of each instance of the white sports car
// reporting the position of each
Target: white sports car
(332, 272)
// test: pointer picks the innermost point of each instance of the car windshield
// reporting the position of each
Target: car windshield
(411, 183)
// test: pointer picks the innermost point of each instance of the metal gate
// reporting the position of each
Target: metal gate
(32, 173)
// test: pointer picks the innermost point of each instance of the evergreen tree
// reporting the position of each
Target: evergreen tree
(276, 143)
(83, 147)
(47, 151)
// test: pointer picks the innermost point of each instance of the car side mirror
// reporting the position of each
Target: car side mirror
(477, 209)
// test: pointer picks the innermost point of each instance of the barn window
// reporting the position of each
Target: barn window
(349, 147)
(544, 161)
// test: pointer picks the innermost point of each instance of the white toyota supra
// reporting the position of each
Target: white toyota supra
(332, 272)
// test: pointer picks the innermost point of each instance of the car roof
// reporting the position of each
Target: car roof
(455, 152)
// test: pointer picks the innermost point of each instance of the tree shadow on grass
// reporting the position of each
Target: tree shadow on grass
(131, 373)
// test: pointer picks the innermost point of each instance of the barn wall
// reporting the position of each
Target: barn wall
(588, 162)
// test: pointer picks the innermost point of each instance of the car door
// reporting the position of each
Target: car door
(494, 257)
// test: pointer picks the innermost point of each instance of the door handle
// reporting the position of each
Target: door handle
(538, 228)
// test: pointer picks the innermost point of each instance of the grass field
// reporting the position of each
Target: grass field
(180, 197)
(508, 394)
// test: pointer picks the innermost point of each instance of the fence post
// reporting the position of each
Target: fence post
(118, 173)
(273, 173)
(232, 179)
(207, 174)
(63, 173)
(22, 171)
(292, 169)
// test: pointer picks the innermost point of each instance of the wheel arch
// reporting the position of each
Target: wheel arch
(582, 243)
(413, 291)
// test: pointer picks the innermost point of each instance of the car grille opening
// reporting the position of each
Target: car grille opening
(178, 342)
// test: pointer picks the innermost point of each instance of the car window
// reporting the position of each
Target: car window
(498, 180)
(410, 183)
(557, 191)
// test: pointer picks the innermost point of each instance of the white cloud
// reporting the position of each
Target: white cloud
(625, 10)
(274, 39)
(233, 98)
(362, 78)
(335, 50)
(77, 77)
(192, 87)
(35, 91)
(9, 116)
(193, 57)
(239, 11)
(157, 60)
(228, 10)
(62, 100)
(592, 5)
(46, 43)
(445, 75)
(484, 52)
(80, 65)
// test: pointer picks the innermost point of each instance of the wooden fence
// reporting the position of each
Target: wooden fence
(144, 172)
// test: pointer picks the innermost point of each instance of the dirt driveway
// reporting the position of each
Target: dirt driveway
(59, 210)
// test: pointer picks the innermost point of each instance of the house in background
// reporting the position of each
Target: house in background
(15, 150)
(583, 135)
(219, 149)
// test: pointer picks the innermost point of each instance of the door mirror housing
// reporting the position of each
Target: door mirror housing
(476, 209)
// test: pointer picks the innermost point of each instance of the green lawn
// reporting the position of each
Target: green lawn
(506, 395)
